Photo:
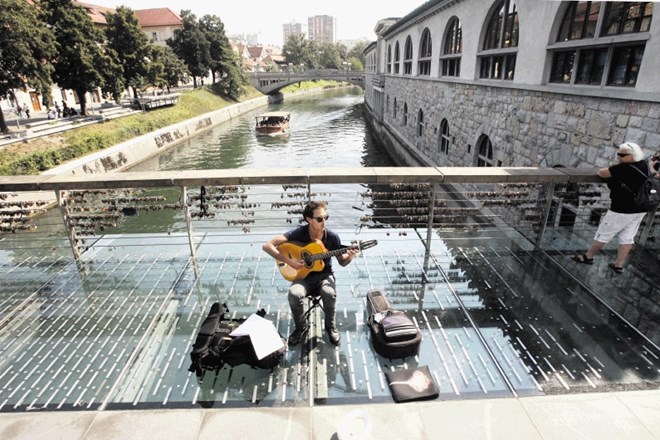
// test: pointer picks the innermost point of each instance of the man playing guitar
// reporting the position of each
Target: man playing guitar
(320, 283)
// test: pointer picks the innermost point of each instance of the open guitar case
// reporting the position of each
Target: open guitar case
(393, 334)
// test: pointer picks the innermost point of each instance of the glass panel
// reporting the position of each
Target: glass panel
(594, 12)
(484, 71)
(591, 66)
(625, 66)
(579, 21)
(625, 18)
(492, 40)
(510, 67)
(454, 39)
(562, 66)
(496, 67)
(511, 27)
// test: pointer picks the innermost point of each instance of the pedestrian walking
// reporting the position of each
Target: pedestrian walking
(26, 110)
(58, 111)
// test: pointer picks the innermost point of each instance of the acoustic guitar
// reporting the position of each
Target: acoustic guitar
(312, 254)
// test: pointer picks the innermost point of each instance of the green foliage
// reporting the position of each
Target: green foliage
(173, 68)
(86, 140)
(26, 48)
(81, 63)
(299, 51)
(357, 51)
(190, 44)
(133, 48)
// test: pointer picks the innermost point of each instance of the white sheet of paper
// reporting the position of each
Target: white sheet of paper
(263, 335)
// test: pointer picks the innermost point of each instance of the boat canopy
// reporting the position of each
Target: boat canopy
(274, 115)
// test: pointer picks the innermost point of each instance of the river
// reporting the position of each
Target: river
(327, 130)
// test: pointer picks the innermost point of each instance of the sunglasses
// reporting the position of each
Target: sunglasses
(623, 154)
(321, 219)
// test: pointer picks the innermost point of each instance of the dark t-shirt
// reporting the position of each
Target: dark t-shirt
(330, 241)
(622, 199)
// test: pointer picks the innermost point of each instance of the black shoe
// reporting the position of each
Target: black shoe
(333, 335)
(615, 268)
(296, 336)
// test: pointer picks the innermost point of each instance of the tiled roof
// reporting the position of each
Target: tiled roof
(256, 51)
(97, 13)
(157, 17)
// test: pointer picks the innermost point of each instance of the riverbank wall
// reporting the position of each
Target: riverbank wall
(127, 154)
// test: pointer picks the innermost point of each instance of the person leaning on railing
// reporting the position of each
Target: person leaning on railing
(623, 218)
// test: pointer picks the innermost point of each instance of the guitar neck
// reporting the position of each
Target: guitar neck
(324, 255)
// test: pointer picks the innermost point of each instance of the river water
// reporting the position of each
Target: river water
(327, 130)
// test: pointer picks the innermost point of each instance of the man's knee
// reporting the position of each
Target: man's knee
(297, 292)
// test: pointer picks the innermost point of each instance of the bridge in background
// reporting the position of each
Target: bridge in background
(269, 83)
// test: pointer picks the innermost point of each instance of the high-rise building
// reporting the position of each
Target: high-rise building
(322, 29)
(293, 28)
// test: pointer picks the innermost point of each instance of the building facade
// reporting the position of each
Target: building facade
(524, 83)
(293, 28)
(158, 24)
(322, 29)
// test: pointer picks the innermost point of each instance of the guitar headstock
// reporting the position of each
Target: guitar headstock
(363, 244)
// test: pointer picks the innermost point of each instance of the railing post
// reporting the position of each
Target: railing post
(70, 232)
(543, 221)
(189, 228)
(429, 225)
(648, 227)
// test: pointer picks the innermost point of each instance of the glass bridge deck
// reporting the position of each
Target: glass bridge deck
(498, 319)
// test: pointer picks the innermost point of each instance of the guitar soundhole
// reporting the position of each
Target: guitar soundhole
(307, 258)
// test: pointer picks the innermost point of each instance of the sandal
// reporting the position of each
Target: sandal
(616, 269)
(583, 259)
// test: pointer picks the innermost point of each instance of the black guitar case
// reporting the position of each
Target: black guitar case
(393, 334)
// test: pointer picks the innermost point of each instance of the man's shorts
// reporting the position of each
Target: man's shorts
(616, 224)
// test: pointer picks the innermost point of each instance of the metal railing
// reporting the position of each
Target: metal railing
(534, 202)
(155, 249)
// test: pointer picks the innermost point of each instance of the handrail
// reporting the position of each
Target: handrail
(267, 176)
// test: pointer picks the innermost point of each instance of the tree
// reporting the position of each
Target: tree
(26, 49)
(214, 31)
(124, 35)
(190, 44)
(330, 56)
(81, 63)
(173, 70)
(224, 62)
(357, 51)
(299, 51)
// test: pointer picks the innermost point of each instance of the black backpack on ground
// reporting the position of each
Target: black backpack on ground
(393, 334)
(214, 347)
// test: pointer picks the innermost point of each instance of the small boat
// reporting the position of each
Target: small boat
(273, 122)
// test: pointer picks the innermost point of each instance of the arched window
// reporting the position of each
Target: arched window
(485, 152)
(405, 113)
(420, 122)
(498, 57)
(425, 49)
(394, 111)
(452, 49)
(407, 57)
(444, 136)
(396, 58)
(607, 43)
(389, 58)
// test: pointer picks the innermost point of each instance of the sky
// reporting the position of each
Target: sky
(355, 18)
